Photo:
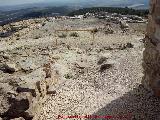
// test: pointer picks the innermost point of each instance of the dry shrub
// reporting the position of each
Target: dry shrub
(74, 34)
(95, 30)
(109, 31)
(62, 35)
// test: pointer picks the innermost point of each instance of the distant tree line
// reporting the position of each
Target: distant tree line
(123, 11)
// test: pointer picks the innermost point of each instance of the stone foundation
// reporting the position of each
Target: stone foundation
(151, 54)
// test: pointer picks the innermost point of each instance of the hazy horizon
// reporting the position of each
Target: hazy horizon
(20, 2)
(107, 2)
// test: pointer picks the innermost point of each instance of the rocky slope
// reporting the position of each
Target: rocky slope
(77, 76)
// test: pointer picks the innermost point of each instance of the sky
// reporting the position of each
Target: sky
(18, 2)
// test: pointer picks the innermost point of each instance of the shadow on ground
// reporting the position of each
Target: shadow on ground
(137, 104)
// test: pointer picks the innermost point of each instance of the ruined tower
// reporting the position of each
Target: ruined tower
(151, 58)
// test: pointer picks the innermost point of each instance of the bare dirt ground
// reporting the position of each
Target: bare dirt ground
(98, 77)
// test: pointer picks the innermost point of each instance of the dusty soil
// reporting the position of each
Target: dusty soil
(98, 77)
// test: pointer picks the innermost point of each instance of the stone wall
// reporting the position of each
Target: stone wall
(151, 54)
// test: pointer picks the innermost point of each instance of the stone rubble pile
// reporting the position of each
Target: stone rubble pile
(21, 28)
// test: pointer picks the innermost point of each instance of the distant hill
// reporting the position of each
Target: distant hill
(25, 11)
(80, 4)
(115, 3)
(16, 15)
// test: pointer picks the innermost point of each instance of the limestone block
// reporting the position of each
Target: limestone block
(151, 55)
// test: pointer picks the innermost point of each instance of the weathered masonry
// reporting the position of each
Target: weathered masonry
(151, 54)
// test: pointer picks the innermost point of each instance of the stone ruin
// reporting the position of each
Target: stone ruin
(151, 58)
(151, 65)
